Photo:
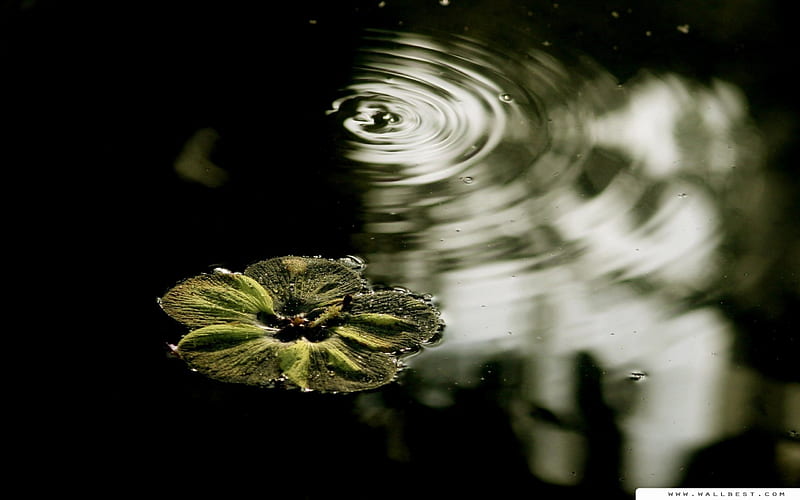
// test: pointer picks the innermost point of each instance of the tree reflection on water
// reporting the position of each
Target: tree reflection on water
(602, 266)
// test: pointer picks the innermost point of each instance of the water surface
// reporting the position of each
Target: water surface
(578, 231)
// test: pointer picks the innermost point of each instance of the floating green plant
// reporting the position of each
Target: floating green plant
(311, 323)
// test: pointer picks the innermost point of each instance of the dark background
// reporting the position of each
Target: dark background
(104, 95)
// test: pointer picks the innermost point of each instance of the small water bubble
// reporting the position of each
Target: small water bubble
(467, 180)
(470, 151)
(682, 195)
(505, 97)
(354, 262)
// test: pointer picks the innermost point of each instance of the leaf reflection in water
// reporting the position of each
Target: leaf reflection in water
(595, 221)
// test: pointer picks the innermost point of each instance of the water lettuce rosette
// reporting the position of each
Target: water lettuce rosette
(311, 323)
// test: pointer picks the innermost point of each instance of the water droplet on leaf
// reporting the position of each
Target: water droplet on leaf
(354, 262)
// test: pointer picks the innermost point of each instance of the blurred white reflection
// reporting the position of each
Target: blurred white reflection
(595, 233)
(670, 125)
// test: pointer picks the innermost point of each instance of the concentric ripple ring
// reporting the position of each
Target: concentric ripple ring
(420, 109)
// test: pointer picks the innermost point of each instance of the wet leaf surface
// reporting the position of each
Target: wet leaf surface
(301, 322)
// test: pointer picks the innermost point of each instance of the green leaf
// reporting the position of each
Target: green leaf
(305, 283)
(334, 366)
(219, 337)
(295, 360)
(380, 320)
(381, 332)
(211, 299)
(389, 321)
(328, 331)
(238, 353)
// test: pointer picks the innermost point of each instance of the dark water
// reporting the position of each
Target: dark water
(600, 199)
